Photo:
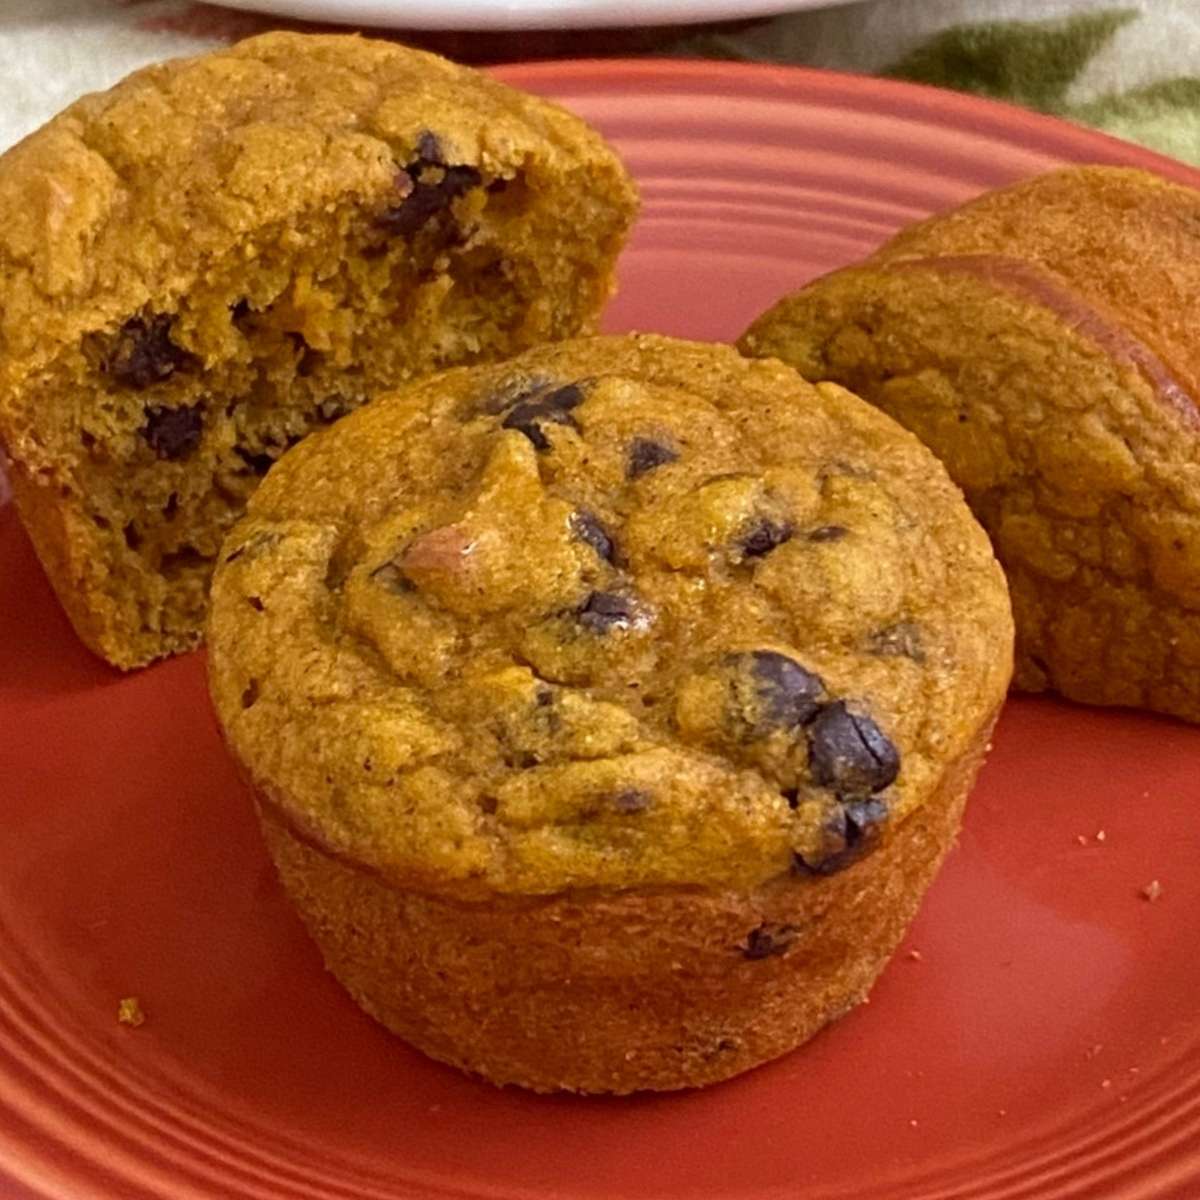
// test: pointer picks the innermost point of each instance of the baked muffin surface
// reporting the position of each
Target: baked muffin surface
(621, 612)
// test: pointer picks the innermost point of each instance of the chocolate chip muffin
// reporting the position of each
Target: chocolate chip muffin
(1041, 340)
(222, 254)
(609, 711)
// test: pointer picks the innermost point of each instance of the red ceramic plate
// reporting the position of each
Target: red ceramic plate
(1037, 1037)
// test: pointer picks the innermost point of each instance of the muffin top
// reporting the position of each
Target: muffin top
(622, 611)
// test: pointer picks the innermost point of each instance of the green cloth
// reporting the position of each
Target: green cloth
(1132, 70)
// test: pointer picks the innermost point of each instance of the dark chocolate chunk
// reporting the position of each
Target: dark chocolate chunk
(256, 603)
(631, 800)
(768, 939)
(763, 537)
(849, 753)
(587, 528)
(606, 611)
(902, 640)
(785, 694)
(827, 533)
(173, 433)
(250, 694)
(527, 416)
(145, 353)
(428, 187)
(851, 830)
(645, 454)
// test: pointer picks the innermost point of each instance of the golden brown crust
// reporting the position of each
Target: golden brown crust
(1037, 340)
(1122, 239)
(620, 991)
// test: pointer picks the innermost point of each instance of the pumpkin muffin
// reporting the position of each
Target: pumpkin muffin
(1041, 340)
(610, 710)
(222, 254)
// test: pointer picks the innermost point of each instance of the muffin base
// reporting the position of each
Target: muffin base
(616, 992)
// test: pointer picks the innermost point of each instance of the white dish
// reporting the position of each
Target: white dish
(523, 14)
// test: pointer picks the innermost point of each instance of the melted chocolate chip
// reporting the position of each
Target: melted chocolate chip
(527, 415)
(145, 353)
(587, 528)
(763, 537)
(851, 830)
(603, 612)
(646, 454)
(428, 188)
(849, 753)
(173, 433)
(768, 939)
(827, 533)
(786, 694)
(902, 640)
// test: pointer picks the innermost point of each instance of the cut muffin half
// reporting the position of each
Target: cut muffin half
(221, 254)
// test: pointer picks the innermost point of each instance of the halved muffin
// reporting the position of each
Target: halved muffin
(222, 254)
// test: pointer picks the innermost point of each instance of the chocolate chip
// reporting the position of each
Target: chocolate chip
(256, 603)
(645, 454)
(763, 537)
(850, 831)
(250, 694)
(768, 939)
(173, 433)
(145, 353)
(428, 188)
(587, 528)
(902, 640)
(526, 416)
(631, 800)
(849, 752)
(784, 695)
(603, 612)
(827, 533)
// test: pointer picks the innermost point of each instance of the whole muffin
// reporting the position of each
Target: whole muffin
(224, 253)
(1042, 341)
(609, 710)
